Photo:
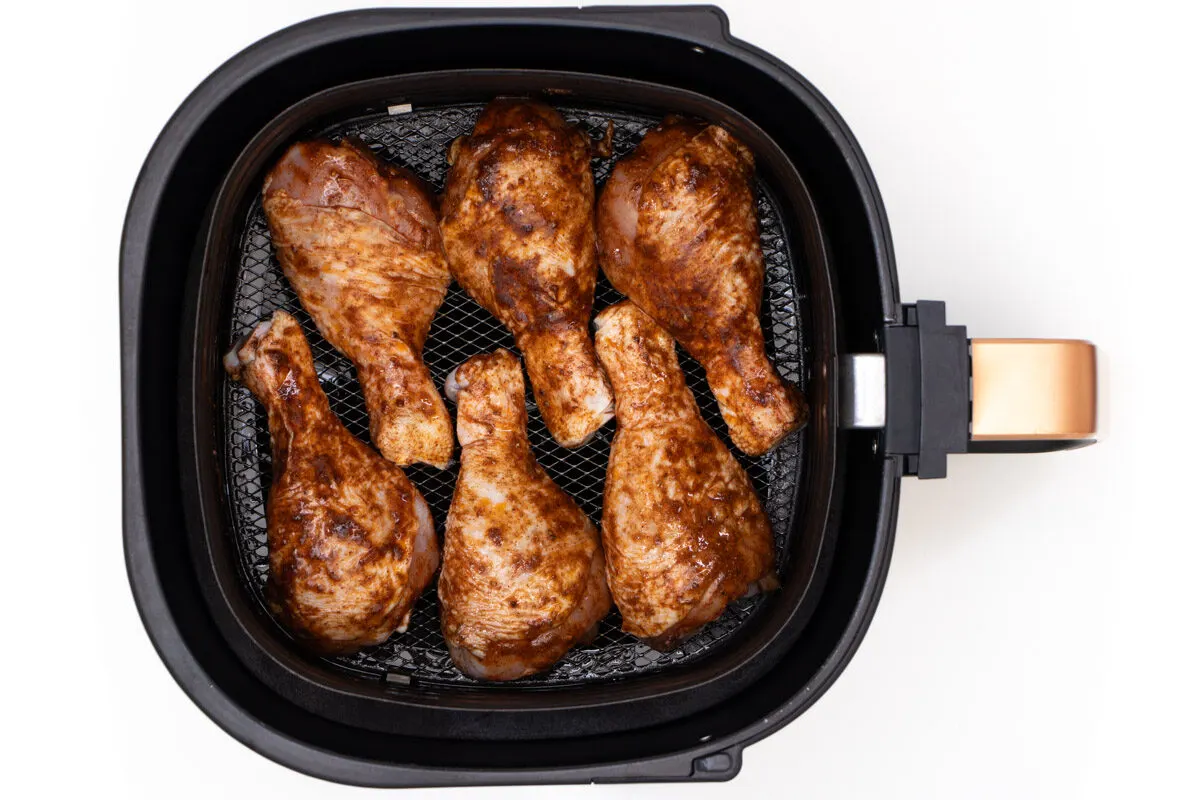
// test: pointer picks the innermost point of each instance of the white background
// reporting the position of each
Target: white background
(1038, 633)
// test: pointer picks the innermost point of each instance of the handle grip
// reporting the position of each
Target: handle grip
(1032, 391)
(946, 393)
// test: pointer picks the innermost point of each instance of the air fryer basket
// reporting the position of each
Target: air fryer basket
(189, 523)
(419, 140)
(239, 283)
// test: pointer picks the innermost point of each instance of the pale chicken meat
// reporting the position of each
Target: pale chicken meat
(358, 240)
(684, 531)
(678, 235)
(523, 572)
(351, 542)
(518, 223)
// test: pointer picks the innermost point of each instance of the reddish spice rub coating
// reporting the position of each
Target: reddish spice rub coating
(358, 240)
(678, 235)
(518, 222)
(351, 541)
(523, 575)
(684, 531)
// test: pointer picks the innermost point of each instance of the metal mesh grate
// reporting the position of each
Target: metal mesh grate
(461, 329)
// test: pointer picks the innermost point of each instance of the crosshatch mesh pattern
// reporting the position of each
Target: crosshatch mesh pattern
(419, 140)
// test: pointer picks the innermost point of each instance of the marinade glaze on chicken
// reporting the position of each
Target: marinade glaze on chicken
(523, 572)
(351, 541)
(518, 223)
(684, 531)
(678, 235)
(358, 240)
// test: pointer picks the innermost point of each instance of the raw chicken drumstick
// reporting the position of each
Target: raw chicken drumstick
(679, 236)
(358, 240)
(684, 532)
(523, 573)
(518, 223)
(351, 541)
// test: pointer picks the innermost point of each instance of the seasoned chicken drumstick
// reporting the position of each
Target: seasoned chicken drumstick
(518, 222)
(358, 240)
(523, 575)
(679, 236)
(684, 532)
(351, 541)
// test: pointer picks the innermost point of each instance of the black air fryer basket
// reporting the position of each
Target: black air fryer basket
(889, 386)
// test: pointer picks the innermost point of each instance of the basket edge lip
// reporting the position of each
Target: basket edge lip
(376, 117)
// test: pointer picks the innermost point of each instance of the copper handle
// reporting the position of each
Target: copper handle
(1032, 389)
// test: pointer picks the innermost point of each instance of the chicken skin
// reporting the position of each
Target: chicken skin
(518, 222)
(684, 531)
(351, 542)
(358, 241)
(678, 235)
(523, 573)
